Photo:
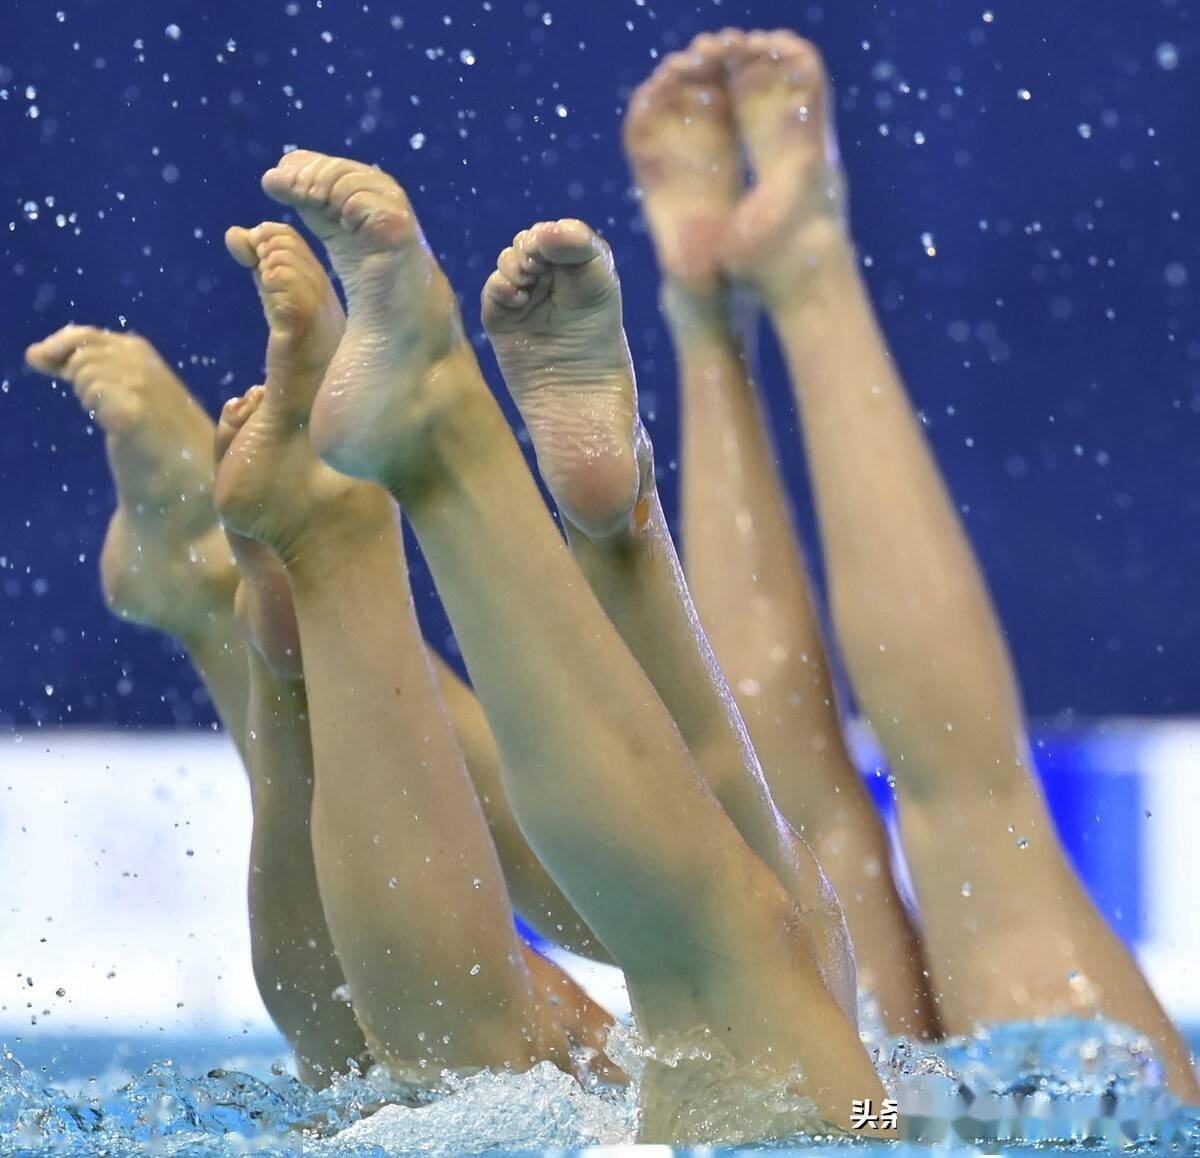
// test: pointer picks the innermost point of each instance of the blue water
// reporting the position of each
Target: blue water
(1063, 1086)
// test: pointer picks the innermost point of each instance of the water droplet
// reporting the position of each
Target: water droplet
(1023, 843)
(1167, 56)
(173, 31)
(561, 110)
(475, 970)
(393, 883)
(467, 56)
(477, 883)
(30, 209)
(966, 888)
(1023, 94)
(1085, 131)
(1176, 274)
(928, 245)
(417, 140)
(60, 992)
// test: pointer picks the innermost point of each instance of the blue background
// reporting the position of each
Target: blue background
(1051, 342)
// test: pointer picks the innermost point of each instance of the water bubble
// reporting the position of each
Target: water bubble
(376, 839)
(475, 970)
(327, 36)
(1023, 843)
(928, 245)
(476, 883)
(1023, 94)
(170, 174)
(918, 138)
(1176, 274)
(60, 992)
(1167, 56)
(1085, 131)
(393, 883)
(966, 888)
(173, 32)
(467, 56)
(30, 209)
(417, 140)
(989, 16)
(561, 110)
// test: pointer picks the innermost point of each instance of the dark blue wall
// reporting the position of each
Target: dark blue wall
(1051, 342)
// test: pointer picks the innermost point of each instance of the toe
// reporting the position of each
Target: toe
(502, 291)
(240, 243)
(51, 355)
(565, 242)
(512, 266)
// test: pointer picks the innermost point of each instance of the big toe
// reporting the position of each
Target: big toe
(51, 355)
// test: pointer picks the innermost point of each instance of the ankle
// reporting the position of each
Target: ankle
(455, 431)
(819, 280)
(701, 321)
(340, 537)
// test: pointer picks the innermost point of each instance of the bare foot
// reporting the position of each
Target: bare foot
(270, 485)
(264, 598)
(794, 215)
(681, 140)
(552, 309)
(403, 334)
(165, 563)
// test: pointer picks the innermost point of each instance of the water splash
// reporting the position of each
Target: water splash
(1062, 1085)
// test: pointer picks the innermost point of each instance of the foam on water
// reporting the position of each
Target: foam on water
(1069, 1084)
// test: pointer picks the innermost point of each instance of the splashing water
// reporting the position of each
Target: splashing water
(1065, 1085)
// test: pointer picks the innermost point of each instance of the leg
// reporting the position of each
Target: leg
(745, 568)
(553, 311)
(1009, 929)
(165, 563)
(295, 965)
(705, 933)
(412, 891)
(534, 894)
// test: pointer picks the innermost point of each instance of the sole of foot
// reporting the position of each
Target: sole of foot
(552, 309)
(164, 563)
(793, 214)
(270, 485)
(263, 601)
(681, 140)
(399, 360)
